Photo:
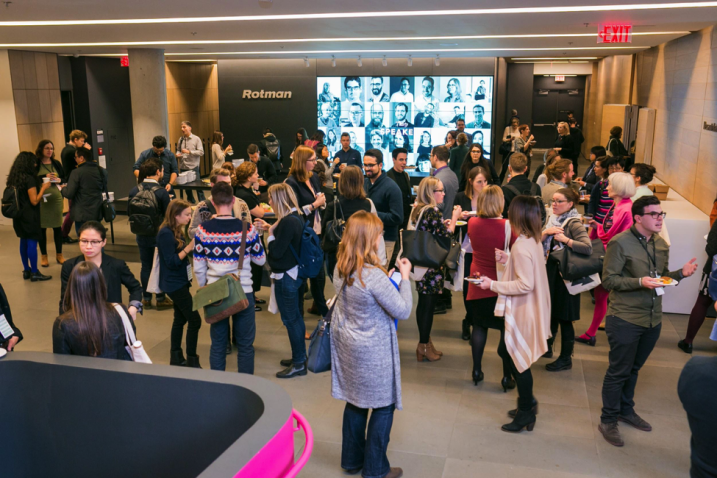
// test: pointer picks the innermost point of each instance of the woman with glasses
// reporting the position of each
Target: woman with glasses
(93, 238)
(620, 188)
(455, 93)
(474, 158)
(425, 216)
(564, 228)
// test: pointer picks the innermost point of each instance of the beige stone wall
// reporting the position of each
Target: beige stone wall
(679, 80)
(36, 93)
(193, 95)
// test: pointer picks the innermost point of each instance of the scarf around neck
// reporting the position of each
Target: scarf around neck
(558, 221)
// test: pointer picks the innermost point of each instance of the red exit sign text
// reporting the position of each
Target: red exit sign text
(124, 61)
(614, 33)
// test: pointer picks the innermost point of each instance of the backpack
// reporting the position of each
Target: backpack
(10, 203)
(143, 212)
(533, 193)
(272, 149)
(311, 257)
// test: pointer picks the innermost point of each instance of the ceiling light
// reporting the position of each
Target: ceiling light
(410, 60)
(317, 40)
(384, 62)
(437, 60)
(333, 61)
(359, 62)
(556, 58)
(306, 62)
(371, 14)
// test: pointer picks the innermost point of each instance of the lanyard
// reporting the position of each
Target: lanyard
(652, 259)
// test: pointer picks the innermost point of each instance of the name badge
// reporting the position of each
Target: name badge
(5, 329)
(189, 272)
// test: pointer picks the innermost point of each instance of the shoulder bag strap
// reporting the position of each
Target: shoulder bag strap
(242, 249)
(129, 333)
(373, 207)
(330, 314)
(514, 189)
(507, 236)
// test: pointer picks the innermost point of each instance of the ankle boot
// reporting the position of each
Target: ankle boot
(549, 353)
(176, 357)
(193, 361)
(43, 261)
(60, 259)
(563, 363)
(423, 351)
(437, 352)
(533, 409)
(523, 419)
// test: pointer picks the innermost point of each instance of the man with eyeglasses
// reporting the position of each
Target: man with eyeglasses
(386, 196)
(355, 116)
(377, 94)
(93, 239)
(352, 85)
(635, 271)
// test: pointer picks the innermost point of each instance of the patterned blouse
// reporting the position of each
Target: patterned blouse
(432, 221)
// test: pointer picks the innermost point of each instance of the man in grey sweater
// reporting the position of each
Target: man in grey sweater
(189, 154)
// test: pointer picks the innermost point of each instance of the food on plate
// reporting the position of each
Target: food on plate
(666, 280)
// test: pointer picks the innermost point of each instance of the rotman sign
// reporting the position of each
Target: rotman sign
(261, 94)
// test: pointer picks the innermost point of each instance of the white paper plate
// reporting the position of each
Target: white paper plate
(3, 353)
(673, 283)
(474, 281)
(461, 223)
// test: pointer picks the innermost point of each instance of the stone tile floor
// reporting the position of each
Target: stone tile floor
(449, 428)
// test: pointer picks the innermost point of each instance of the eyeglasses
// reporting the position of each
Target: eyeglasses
(353, 87)
(85, 242)
(655, 215)
(312, 160)
(366, 165)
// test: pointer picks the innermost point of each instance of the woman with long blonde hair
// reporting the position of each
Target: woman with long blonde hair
(365, 363)
(288, 288)
(174, 279)
(427, 217)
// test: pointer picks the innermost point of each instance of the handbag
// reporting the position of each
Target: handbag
(108, 210)
(574, 266)
(334, 230)
(135, 349)
(153, 283)
(584, 284)
(505, 148)
(381, 243)
(319, 356)
(455, 283)
(225, 297)
(454, 255)
(424, 249)
(500, 268)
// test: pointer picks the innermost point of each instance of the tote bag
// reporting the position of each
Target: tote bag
(135, 349)
(423, 248)
(153, 283)
(500, 268)
(319, 355)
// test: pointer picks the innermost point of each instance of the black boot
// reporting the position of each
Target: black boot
(176, 357)
(549, 353)
(523, 419)
(286, 362)
(466, 333)
(533, 409)
(39, 276)
(193, 361)
(565, 361)
(292, 371)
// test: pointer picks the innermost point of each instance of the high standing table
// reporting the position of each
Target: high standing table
(197, 185)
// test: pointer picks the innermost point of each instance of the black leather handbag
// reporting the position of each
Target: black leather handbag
(423, 248)
(574, 266)
(454, 255)
(108, 209)
(334, 230)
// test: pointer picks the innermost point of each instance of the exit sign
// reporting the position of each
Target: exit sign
(614, 33)
(559, 78)
(124, 61)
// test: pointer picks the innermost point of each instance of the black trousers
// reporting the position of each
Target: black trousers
(57, 236)
(183, 314)
(567, 336)
(424, 315)
(630, 346)
(524, 381)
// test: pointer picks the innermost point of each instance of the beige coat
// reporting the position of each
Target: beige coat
(524, 301)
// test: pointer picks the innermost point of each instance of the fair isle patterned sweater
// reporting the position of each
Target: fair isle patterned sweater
(216, 251)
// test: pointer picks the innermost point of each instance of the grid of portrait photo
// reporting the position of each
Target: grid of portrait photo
(412, 112)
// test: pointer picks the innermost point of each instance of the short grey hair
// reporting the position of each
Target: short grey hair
(622, 184)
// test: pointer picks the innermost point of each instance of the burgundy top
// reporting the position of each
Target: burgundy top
(486, 235)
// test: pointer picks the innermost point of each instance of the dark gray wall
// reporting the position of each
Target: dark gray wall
(548, 83)
(520, 91)
(102, 102)
(242, 120)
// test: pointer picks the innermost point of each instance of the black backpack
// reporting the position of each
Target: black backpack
(533, 193)
(10, 203)
(143, 212)
(272, 149)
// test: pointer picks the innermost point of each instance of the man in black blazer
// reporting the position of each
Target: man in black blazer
(93, 238)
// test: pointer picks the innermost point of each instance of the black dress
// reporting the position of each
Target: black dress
(27, 224)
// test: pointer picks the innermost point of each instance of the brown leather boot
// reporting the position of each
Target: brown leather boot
(423, 351)
(60, 259)
(437, 352)
(44, 262)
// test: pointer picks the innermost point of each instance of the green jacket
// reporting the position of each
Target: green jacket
(626, 262)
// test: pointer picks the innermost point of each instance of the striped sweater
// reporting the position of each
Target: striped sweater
(217, 244)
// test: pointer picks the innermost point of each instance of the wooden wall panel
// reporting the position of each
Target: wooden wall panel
(41, 71)
(17, 73)
(34, 115)
(53, 72)
(28, 68)
(21, 115)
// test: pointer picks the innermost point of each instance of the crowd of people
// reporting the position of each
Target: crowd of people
(510, 231)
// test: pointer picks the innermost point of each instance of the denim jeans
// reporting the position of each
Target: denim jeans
(367, 449)
(146, 257)
(286, 292)
(190, 194)
(183, 314)
(244, 326)
(630, 346)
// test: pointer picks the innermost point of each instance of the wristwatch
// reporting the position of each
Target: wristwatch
(137, 304)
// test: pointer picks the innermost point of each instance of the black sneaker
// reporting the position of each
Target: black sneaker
(39, 276)
(259, 301)
(257, 308)
(292, 370)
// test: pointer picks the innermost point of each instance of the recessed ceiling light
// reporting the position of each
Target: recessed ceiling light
(318, 40)
(372, 14)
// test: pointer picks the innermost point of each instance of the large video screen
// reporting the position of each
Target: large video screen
(412, 112)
